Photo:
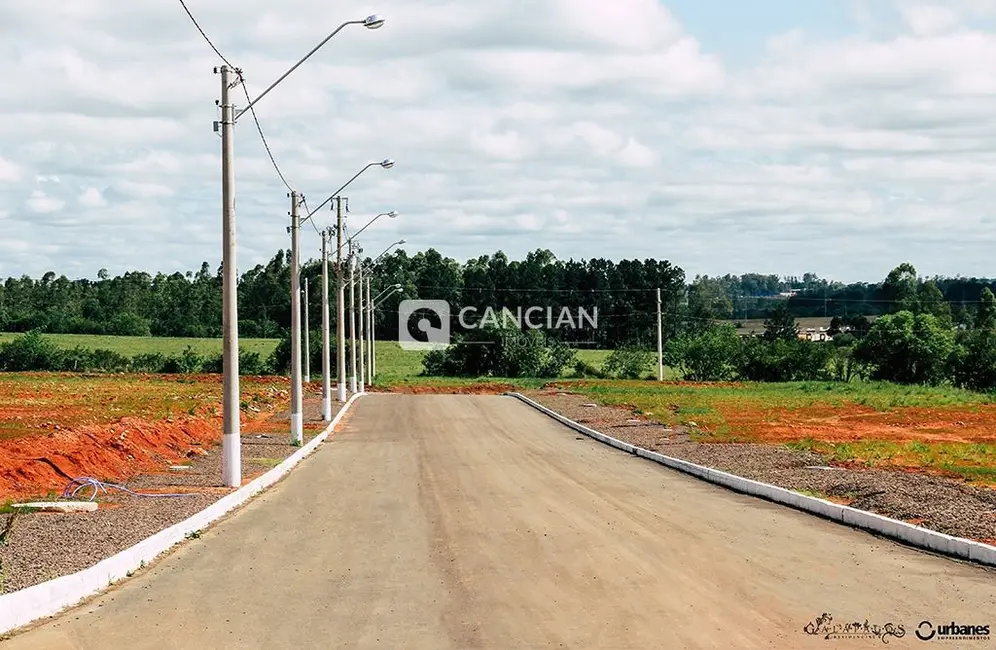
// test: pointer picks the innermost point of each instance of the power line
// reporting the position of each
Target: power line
(266, 145)
(245, 89)
(197, 25)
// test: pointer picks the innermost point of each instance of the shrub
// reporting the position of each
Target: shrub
(628, 362)
(500, 352)
(585, 370)
(187, 362)
(153, 362)
(32, 351)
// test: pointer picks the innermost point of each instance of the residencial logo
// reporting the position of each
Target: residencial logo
(423, 324)
(927, 631)
(824, 626)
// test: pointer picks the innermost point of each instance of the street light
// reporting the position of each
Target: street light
(387, 163)
(231, 460)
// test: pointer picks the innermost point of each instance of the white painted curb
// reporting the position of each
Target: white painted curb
(893, 528)
(30, 604)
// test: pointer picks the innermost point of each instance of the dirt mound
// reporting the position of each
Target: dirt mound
(34, 465)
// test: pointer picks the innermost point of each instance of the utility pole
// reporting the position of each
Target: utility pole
(297, 430)
(307, 337)
(326, 361)
(660, 339)
(370, 336)
(231, 454)
(362, 337)
(352, 321)
(340, 321)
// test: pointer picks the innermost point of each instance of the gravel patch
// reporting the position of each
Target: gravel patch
(942, 504)
(43, 546)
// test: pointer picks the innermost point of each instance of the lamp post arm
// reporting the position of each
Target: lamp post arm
(296, 65)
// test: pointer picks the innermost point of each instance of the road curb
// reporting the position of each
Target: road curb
(19, 608)
(916, 536)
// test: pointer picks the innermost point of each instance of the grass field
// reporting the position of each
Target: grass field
(393, 363)
(130, 346)
(869, 423)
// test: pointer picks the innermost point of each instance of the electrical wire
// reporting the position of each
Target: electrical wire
(262, 136)
(84, 482)
(197, 25)
(245, 90)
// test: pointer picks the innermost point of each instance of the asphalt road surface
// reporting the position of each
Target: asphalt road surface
(475, 522)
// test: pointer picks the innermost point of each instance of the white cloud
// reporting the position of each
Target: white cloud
(591, 128)
(9, 172)
(92, 198)
(42, 203)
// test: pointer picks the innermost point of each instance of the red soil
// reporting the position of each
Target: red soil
(854, 423)
(31, 465)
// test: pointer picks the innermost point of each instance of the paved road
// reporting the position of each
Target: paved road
(474, 522)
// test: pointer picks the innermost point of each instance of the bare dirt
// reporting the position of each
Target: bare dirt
(938, 502)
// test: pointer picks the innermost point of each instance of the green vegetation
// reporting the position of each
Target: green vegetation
(130, 346)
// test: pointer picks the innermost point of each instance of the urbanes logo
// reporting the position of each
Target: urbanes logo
(927, 631)
(425, 324)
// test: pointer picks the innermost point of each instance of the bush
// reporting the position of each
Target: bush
(32, 351)
(783, 359)
(500, 352)
(628, 362)
(712, 355)
(187, 362)
(280, 359)
(154, 363)
(973, 364)
(584, 370)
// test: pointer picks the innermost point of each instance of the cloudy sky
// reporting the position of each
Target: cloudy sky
(835, 136)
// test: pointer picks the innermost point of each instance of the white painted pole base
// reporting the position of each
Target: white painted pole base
(352, 384)
(327, 408)
(361, 383)
(340, 391)
(297, 429)
(231, 460)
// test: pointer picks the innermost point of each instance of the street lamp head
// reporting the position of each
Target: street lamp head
(373, 22)
(387, 163)
(392, 214)
(396, 286)
(402, 242)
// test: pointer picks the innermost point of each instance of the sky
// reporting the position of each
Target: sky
(840, 137)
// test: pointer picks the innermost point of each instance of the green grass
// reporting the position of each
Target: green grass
(130, 346)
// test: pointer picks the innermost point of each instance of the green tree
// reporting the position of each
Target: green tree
(985, 317)
(907, 348)
(781, 325)
(710, 355)
(932, 301)
(900, 289)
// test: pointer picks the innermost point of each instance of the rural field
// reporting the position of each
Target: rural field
(130, 346)
(873, 424)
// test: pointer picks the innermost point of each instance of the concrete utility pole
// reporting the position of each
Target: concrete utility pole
(660, 339)
(370, 337)
(297, 424)
(326, 361)
(352, 322)
(231, 448)
(307, 337)
(340, 321)
(362, 338)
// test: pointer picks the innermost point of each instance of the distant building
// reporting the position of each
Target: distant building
(817, 334)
